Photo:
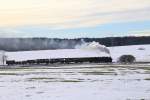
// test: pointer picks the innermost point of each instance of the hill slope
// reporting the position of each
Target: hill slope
(140, 52)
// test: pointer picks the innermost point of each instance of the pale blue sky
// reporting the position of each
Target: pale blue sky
(74, 18)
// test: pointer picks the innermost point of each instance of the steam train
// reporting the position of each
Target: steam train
(61, 61)
(92, 53)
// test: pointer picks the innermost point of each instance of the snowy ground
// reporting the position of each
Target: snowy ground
(76, 82)
(81, 82)
(92, 49)
(140, 52)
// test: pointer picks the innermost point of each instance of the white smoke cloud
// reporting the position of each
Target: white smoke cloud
(93, 45)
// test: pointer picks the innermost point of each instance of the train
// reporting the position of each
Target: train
(92, 53)
(61, 61)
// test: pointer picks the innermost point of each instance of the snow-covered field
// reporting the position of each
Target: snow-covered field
(140, 52)
(79, 82)
(93, 49)
(76, 82)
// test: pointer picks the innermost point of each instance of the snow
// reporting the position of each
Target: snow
(76, 82)
(92, 49)
(61, 53)
(140, 52)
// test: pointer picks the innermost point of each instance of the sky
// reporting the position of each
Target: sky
(74, 18)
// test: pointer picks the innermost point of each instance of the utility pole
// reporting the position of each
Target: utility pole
(3, 57)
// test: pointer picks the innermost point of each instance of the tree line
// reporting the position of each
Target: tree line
(25, 44)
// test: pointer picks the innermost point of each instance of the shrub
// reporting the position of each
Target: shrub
(126, 59)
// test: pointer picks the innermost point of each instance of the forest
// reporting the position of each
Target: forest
(26, 44)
